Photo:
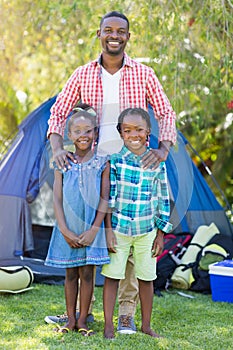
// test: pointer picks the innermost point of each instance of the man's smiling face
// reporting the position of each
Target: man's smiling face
(114, 35)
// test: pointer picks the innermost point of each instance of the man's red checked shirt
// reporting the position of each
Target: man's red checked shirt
(139, 87)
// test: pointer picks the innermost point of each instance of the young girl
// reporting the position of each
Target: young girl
(80, 202)
(140, 212)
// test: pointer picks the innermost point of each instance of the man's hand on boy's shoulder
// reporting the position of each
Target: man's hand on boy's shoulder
(155, 156)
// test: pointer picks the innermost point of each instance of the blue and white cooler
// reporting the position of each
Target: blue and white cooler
(221, 281)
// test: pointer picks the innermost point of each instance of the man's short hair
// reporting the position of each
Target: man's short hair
(114, 14)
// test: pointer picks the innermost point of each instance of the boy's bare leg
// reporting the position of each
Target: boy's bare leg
(146, 295)
(109, 300)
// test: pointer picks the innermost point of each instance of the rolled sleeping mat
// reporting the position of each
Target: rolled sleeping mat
(182, 278)
(15, 279)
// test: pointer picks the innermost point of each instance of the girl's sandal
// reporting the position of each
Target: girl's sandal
(86, 332)
(63, 329)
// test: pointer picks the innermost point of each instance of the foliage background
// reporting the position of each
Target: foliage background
(188, 43)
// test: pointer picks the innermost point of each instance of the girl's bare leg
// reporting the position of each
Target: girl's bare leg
(86, 291)
(71, 292)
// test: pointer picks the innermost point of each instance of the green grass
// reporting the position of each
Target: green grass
(185, 323)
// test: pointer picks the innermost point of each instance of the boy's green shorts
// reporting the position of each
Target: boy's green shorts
(144, 264)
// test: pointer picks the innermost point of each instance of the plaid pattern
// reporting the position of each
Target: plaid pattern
(138, 87)
(139, 197)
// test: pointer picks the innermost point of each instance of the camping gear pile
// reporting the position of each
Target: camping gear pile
(27, 218)
(207, 246)
(185, 261)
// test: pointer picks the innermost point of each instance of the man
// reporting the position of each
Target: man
(111, 84)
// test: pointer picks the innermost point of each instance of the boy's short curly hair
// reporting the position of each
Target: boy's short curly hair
(133, 111)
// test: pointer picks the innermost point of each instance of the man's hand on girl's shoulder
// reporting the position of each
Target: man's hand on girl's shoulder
(61, 158)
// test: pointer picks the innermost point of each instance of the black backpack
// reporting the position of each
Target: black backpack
(219, 248)
(175, 246)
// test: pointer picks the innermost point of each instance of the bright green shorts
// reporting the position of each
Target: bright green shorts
(144, 264)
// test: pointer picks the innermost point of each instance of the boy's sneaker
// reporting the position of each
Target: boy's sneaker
(64, 318)
(126, 325)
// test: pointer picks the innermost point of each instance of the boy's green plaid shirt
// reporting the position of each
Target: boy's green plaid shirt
(139, 198)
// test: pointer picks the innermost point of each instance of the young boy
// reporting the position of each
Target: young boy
(139, 217)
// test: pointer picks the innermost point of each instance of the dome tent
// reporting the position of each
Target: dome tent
(26, 178)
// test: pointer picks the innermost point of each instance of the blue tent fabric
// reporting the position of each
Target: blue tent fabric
(25, 168)
(19, 179)
(21, 164)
